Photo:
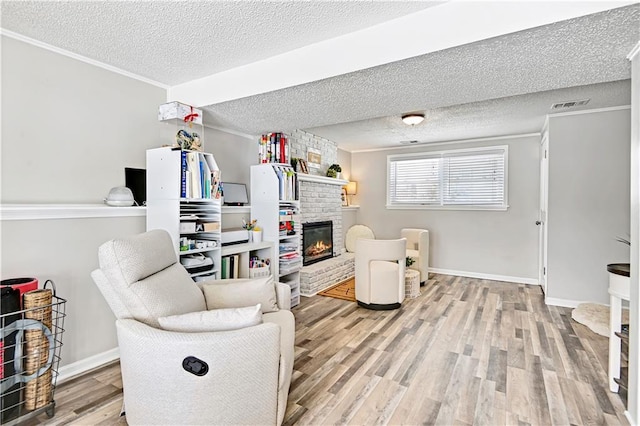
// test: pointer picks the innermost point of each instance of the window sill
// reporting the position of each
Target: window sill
(471, 208)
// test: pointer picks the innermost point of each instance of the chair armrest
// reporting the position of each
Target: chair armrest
(240, 387)
(283, 296)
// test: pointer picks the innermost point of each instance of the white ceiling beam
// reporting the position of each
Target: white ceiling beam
(444, 26)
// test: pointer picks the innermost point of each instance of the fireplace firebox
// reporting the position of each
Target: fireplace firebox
(317, 241)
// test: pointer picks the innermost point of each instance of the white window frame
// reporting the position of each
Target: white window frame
(399, 206)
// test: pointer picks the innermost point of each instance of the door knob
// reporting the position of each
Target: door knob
(538, 222)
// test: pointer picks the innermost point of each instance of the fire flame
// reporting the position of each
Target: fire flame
(317, 248)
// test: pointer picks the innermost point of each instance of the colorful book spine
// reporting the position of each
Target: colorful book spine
(202, 189)
(274, 148)
(183, 177)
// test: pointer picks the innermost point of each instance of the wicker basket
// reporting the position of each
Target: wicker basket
(39, 299)
(262, 271)
(38, 392)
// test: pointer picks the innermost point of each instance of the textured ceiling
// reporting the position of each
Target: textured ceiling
(176, 41)
(493, 87)
(578, 52)
(494, 117)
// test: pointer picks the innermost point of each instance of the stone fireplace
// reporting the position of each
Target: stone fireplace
(317, 241)
(320, 203)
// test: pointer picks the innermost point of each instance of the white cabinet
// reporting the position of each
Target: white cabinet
(194, 222)
(275, 205)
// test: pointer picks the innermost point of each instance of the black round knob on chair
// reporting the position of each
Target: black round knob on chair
(195, 366)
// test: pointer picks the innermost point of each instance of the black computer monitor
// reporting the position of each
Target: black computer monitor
(136, 181)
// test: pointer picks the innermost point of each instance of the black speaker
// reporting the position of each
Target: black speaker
(136, 181)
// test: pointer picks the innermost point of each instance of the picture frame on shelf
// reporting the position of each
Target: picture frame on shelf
(302, 166)
(343, 197)
(314, 158)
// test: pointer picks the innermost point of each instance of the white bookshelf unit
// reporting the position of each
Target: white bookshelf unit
(274, 200)
(168, 210)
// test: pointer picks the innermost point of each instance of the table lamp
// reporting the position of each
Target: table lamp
(351, 190)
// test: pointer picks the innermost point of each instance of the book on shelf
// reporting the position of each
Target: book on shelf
(230, 266)
(224, 269)
(273, 148)
(183, 178)
(236, 266)
(193, 162)
(199, 177)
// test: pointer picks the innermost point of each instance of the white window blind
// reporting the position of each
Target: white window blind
(463, 178)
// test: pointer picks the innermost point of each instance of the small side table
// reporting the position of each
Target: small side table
(411, 283)
(619, 289)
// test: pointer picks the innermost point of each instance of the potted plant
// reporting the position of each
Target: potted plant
(334, 171)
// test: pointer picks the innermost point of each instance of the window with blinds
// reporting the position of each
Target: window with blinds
(475, 178)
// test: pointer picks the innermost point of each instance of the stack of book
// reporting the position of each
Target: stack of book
(273, 148)
(199, 177)
(230, 266)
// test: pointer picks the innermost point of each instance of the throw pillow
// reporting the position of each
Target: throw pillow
(242, 293)
(214, 320)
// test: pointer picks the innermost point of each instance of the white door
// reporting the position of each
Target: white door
(542, 216)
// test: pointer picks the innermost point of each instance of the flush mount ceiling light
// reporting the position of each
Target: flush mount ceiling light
(412, 119)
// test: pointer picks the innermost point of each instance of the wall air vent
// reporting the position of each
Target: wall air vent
(569, 104)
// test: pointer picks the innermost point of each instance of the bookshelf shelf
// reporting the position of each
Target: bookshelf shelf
(168, 178)
(202, 250)
(240, 248)
(274, 194)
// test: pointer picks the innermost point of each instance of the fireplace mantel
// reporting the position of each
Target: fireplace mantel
(321, 179)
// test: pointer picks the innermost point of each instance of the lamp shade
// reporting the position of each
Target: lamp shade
(351, 188)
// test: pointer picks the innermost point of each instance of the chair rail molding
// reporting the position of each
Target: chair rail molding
(66, 211)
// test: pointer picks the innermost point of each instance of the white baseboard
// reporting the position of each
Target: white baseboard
(505, 278)
(565, 303)
(631, 421)
(72, 370)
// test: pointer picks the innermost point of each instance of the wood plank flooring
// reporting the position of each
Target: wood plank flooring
(466, 352)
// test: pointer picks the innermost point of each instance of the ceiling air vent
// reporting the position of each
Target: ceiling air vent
(569, 104)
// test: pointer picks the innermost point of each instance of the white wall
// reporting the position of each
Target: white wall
(634, 341)
(65, 251)
(349, 217)
(589, 187)
(68, 130)
(233, 153)
(496, 243)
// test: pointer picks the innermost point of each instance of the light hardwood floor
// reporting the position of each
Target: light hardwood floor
(465, 352)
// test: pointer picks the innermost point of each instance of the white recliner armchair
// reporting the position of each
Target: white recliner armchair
(379, 269)
(237, 376)
(418, 250)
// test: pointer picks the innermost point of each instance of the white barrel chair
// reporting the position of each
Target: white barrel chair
(380, 268)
